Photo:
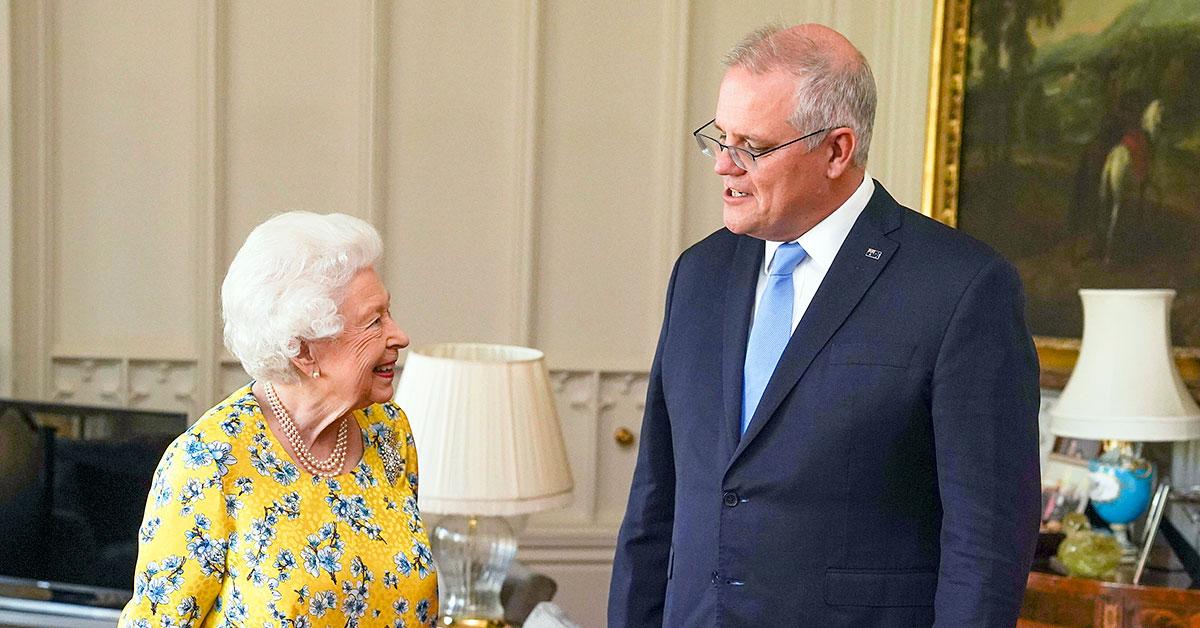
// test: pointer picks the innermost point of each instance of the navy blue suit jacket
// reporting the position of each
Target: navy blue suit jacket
(889, 476)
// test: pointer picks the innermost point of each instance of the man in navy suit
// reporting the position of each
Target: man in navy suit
(841, 423)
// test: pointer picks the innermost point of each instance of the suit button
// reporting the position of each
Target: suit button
(730, 499)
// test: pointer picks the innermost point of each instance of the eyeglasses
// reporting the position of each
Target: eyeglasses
(742, 158)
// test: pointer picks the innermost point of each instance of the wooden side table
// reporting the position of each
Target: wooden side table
(1052, 600)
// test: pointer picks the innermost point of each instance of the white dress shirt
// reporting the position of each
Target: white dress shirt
(822, 243)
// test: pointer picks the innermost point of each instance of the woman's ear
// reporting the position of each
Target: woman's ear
(305, 361)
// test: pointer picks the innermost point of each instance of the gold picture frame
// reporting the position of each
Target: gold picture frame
(941, 172)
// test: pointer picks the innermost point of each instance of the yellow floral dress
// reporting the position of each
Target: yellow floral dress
(236, 534)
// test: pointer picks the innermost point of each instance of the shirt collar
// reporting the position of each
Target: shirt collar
(822, 242)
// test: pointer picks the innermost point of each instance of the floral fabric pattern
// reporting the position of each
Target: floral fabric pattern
(236, 534)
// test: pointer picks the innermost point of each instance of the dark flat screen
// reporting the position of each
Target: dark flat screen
(73, 485)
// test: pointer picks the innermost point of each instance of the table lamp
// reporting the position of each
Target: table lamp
(1125, 390)
(489, 446)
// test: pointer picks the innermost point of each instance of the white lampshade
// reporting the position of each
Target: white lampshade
(1125, 385)
(487, 432)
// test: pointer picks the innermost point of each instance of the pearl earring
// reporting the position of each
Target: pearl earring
(316, 373)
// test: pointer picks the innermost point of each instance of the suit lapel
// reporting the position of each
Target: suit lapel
(863, 255)
(739, 301)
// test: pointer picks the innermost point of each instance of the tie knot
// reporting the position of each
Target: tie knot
(787, 257)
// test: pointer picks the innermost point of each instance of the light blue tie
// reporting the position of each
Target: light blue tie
(772, 327)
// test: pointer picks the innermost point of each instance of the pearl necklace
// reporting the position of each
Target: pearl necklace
(326, 468)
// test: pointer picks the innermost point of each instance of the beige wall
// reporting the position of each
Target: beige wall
(527, 161)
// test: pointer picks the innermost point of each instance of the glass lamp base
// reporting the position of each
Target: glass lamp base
(474, 623)
(473, 554)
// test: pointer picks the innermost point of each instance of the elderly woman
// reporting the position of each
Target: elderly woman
(293, 502)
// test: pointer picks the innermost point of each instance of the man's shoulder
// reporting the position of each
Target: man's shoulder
(941, 235)
(931, 252)
(939, 244)
(715, 249)
(721, 241)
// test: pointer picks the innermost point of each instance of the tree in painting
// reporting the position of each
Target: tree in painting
(1081, 150)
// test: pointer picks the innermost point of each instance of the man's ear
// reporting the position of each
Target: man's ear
(842, 143)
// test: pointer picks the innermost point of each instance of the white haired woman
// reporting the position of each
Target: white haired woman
(293, 501)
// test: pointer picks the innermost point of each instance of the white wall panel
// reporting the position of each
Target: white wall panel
(598, 195)
(30, 260)
(622, 401)
(577, 396)
(293, 111)
(231, 378)
(527, 161)
(896, 44)
(122, 186)
(456, 127)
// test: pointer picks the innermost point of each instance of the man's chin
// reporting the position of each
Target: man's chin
(740, 227)
(734, 223)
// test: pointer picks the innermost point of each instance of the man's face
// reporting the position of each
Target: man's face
(778, 201)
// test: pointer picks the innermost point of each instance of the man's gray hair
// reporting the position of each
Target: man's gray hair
(285, 285)
(830, 92)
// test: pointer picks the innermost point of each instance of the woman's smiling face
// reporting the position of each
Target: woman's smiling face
(359, 363)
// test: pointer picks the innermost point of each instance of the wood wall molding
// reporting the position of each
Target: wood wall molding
(674, 145)
(373, 68)
(527, 103)
(210, 200)
(45, 195)
(7, 272)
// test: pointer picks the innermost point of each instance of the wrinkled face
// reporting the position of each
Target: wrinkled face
(778, 200)
(359, 363)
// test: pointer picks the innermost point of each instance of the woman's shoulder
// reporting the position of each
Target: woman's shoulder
(227, 421)
(217, 435)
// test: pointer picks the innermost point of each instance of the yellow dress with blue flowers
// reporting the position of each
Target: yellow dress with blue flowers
(236, 534)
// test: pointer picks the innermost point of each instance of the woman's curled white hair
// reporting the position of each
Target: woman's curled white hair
(285, 285)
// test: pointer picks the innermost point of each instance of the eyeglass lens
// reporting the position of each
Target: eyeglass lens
(710, 147)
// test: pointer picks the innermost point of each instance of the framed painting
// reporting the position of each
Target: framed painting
(1066, 134)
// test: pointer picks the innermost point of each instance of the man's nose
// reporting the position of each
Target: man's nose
(723, 164)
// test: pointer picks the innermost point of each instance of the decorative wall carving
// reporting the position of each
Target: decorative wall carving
(162, 384)
(124, 382)
(592, 404)
(94, 381)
